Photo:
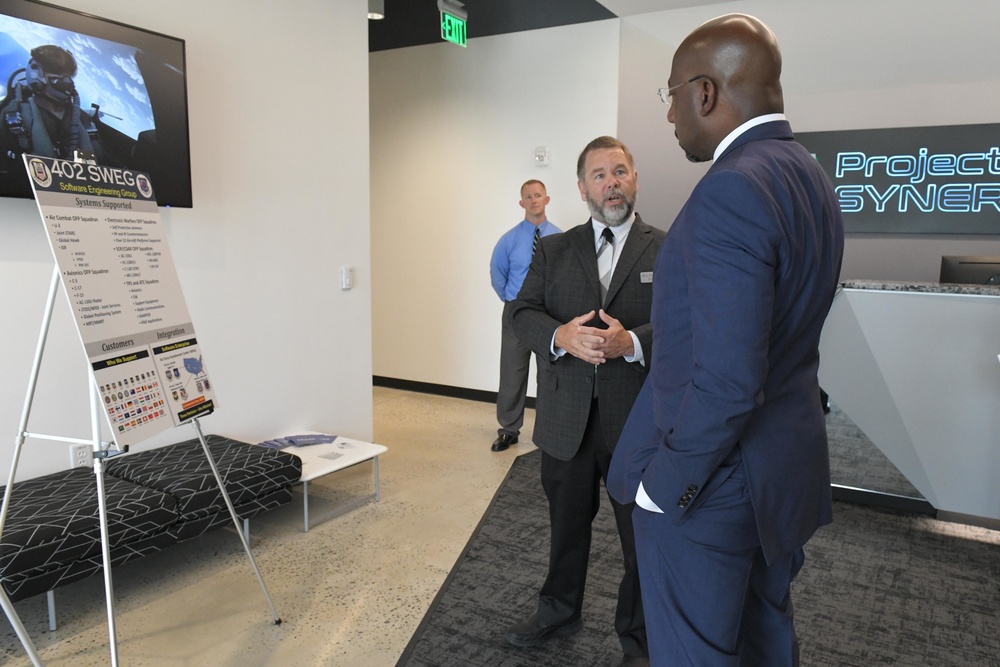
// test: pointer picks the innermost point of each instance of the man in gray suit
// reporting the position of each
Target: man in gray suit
(584, 310)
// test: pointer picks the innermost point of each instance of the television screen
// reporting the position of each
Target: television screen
(970, 270)
(77, 86)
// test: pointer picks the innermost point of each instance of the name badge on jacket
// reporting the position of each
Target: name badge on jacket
(646, 277)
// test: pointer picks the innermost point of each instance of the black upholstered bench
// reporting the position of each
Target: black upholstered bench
(257, 479)
(155, 498)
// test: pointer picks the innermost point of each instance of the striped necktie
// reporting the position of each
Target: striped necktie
(605, 257)
(534, 243)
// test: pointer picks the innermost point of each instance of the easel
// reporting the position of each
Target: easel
(101, 450)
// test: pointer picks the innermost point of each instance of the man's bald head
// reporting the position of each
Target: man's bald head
(737, 62)
(741, 55)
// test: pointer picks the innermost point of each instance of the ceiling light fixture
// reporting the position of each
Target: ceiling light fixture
(454, 7)
(376, 9)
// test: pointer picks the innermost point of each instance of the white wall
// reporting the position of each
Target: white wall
(667, 176)
(453, 134)
(280, 161)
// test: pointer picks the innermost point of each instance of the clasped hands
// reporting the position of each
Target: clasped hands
(593, 345)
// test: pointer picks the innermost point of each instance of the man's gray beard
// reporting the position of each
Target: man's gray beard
(611, 216)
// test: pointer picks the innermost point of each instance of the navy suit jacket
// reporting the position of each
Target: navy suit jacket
(562, 283)
(743, 283)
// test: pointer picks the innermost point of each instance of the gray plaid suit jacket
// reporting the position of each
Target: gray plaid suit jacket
(562, 283)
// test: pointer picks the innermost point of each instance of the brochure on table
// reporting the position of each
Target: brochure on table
(110, 249)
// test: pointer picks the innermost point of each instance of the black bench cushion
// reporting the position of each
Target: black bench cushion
(54, 519)
(23, 585)
(52, 534)
(194, 526)
(181, 470)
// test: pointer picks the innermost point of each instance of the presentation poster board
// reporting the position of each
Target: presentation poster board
(104, 228)
(914, 180)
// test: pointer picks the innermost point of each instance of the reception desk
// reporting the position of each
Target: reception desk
(916, 367)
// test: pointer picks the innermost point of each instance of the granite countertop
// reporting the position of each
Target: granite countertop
(938, 288)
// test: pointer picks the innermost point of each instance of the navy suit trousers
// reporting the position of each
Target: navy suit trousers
(723, 604)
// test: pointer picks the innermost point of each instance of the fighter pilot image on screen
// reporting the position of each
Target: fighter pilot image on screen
(41, 115)
(74, 96)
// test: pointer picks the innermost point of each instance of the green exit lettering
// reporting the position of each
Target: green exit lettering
(453, 29)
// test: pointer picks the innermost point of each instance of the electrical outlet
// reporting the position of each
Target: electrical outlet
(81, 455)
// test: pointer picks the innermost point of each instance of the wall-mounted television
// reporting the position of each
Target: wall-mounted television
(970, 270)
(75, 86)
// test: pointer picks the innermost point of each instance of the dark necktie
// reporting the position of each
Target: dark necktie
(534, 243)
(605, 256)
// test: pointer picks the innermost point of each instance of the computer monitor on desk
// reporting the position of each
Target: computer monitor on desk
(970, 270)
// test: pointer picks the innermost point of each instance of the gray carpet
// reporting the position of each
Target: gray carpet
(878, 588)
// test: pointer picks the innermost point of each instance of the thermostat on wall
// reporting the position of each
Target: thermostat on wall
(542, 156)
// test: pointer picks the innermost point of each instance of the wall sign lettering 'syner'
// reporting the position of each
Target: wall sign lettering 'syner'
(914, 180)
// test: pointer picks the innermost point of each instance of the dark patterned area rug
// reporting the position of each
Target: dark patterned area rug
(878, 588)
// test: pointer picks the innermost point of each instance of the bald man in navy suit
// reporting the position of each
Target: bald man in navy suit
(725, 450)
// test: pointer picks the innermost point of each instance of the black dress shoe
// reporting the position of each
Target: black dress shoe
(530, 632)
(503, 441)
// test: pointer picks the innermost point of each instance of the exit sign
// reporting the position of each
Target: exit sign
(453, 29)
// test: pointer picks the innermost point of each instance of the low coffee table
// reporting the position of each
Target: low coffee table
(324, 459)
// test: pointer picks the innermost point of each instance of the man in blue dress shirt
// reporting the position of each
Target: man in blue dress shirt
(508, 266)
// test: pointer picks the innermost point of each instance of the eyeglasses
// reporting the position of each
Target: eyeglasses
(666, 94)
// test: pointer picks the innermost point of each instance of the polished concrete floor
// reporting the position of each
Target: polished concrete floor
(349, 592)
